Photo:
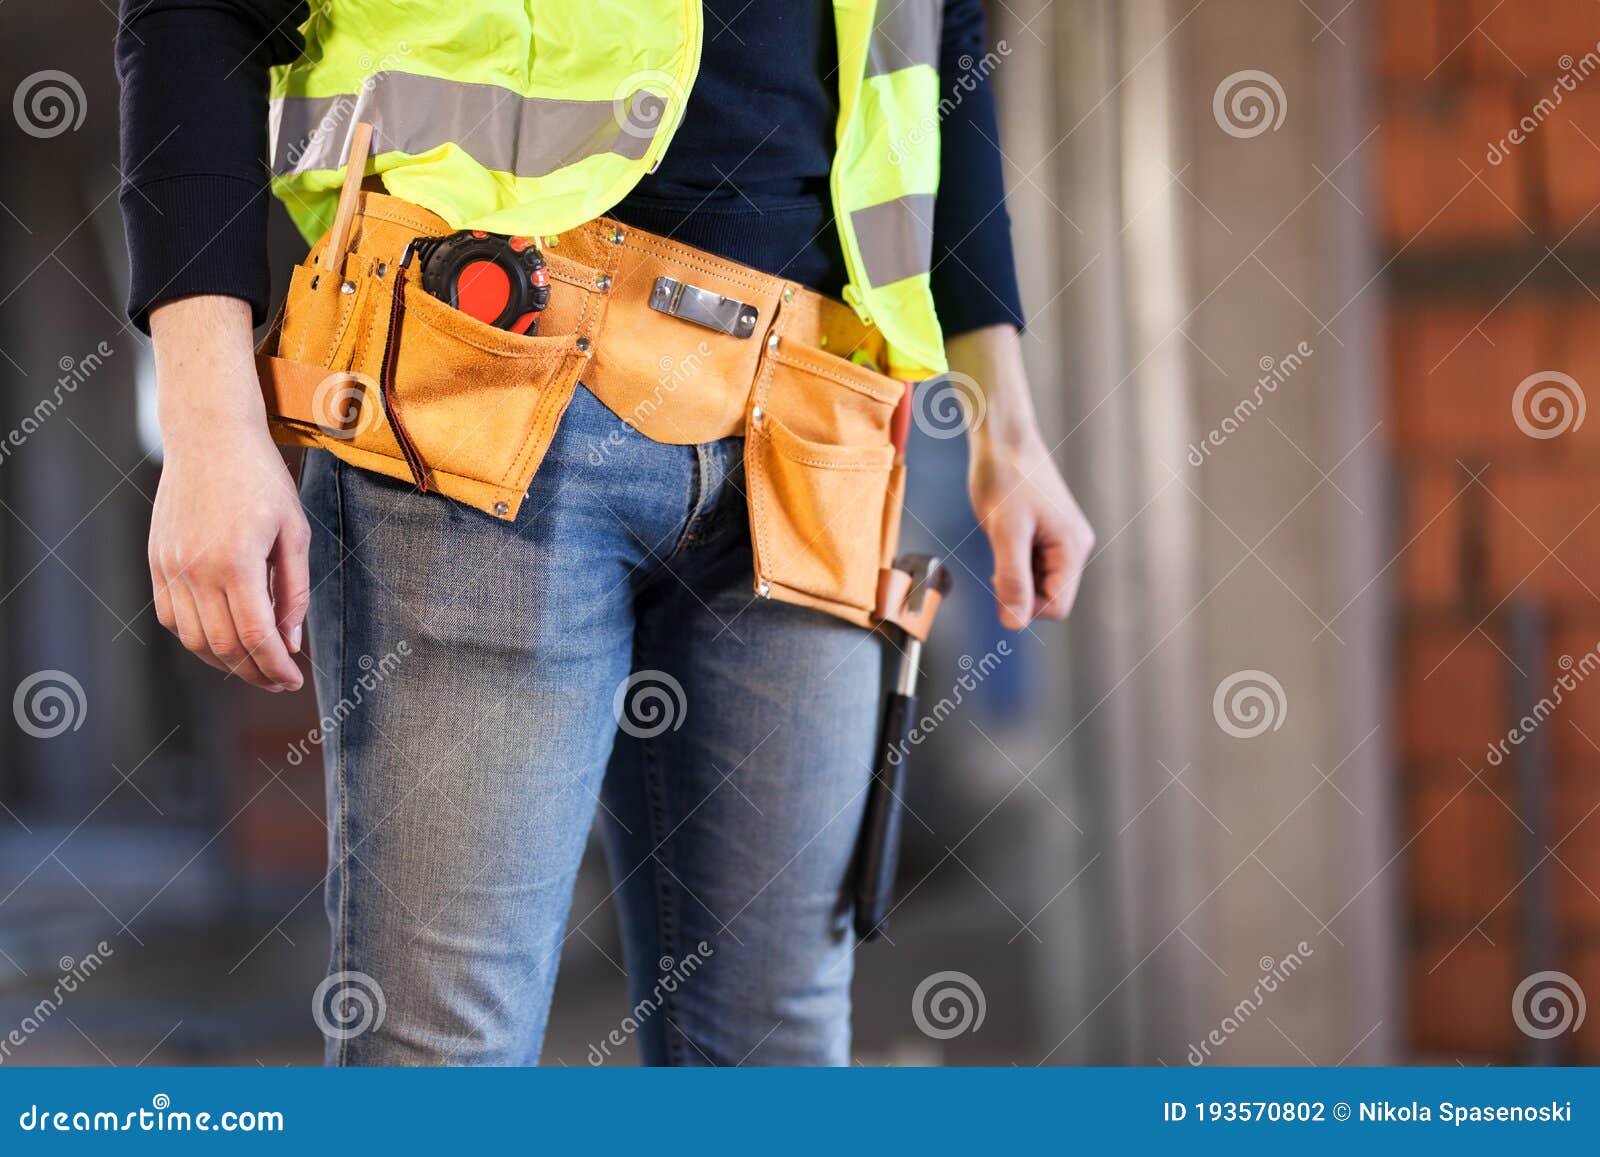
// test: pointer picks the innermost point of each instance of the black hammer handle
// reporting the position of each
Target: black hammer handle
(879, 852)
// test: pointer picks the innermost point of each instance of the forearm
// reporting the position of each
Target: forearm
(991, 359)
(206, 381)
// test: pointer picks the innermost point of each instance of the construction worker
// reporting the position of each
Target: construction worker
(627, 548)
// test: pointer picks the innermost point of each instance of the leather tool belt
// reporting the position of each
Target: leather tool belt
(683, 346)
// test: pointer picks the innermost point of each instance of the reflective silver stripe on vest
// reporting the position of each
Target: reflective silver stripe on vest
(895, 238)
(504, 132)
(907, 33)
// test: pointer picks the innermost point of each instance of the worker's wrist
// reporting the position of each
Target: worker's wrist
(206, 379)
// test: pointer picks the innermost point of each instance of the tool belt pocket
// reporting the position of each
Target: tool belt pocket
(416, 389)
(825, 488)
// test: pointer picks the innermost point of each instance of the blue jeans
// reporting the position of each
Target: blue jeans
(489, 683)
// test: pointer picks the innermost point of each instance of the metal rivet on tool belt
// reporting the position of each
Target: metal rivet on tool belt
(788, 294)
(348, 287)
(772, 342)
(502, 509)
(602, 283)
(583, 344)
(748, 319)
(383, 267)
(616, 236)
(756, 414)
(764, 590)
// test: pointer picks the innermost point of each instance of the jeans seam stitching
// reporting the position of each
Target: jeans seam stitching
(343, 867)
(666, 923)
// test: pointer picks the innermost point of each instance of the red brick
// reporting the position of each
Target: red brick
(1462, 865)
(1454, 686)
(1542, 510)
(1430, 566)
(1575, 835)
(1461, 996)
(1566, 146)
(1503, 38)
(1411, 39)
(1456, 369)
(1585, 969)
(1574, 656)
(1432, 146)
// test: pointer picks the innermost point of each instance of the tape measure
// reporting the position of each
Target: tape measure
(502, 281)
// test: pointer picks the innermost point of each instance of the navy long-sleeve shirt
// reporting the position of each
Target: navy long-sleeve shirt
(746, 176)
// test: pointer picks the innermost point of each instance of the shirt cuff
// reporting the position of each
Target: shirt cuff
(196, 234)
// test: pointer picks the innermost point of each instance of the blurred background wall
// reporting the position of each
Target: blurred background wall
(1288, 277)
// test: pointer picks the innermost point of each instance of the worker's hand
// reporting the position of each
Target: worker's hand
(228, 540)
(1040, 537)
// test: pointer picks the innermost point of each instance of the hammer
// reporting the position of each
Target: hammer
(924, 581)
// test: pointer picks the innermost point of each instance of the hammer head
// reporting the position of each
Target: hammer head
(929, 577)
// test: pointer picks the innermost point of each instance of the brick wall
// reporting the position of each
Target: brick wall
(1492, 518)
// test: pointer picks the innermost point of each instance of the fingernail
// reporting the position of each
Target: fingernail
(294, 637)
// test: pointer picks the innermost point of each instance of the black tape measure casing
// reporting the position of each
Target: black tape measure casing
(500, 280)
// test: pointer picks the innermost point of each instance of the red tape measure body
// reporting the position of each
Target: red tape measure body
(502, 281)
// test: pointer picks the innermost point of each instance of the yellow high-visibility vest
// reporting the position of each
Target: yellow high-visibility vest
(534, 118)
